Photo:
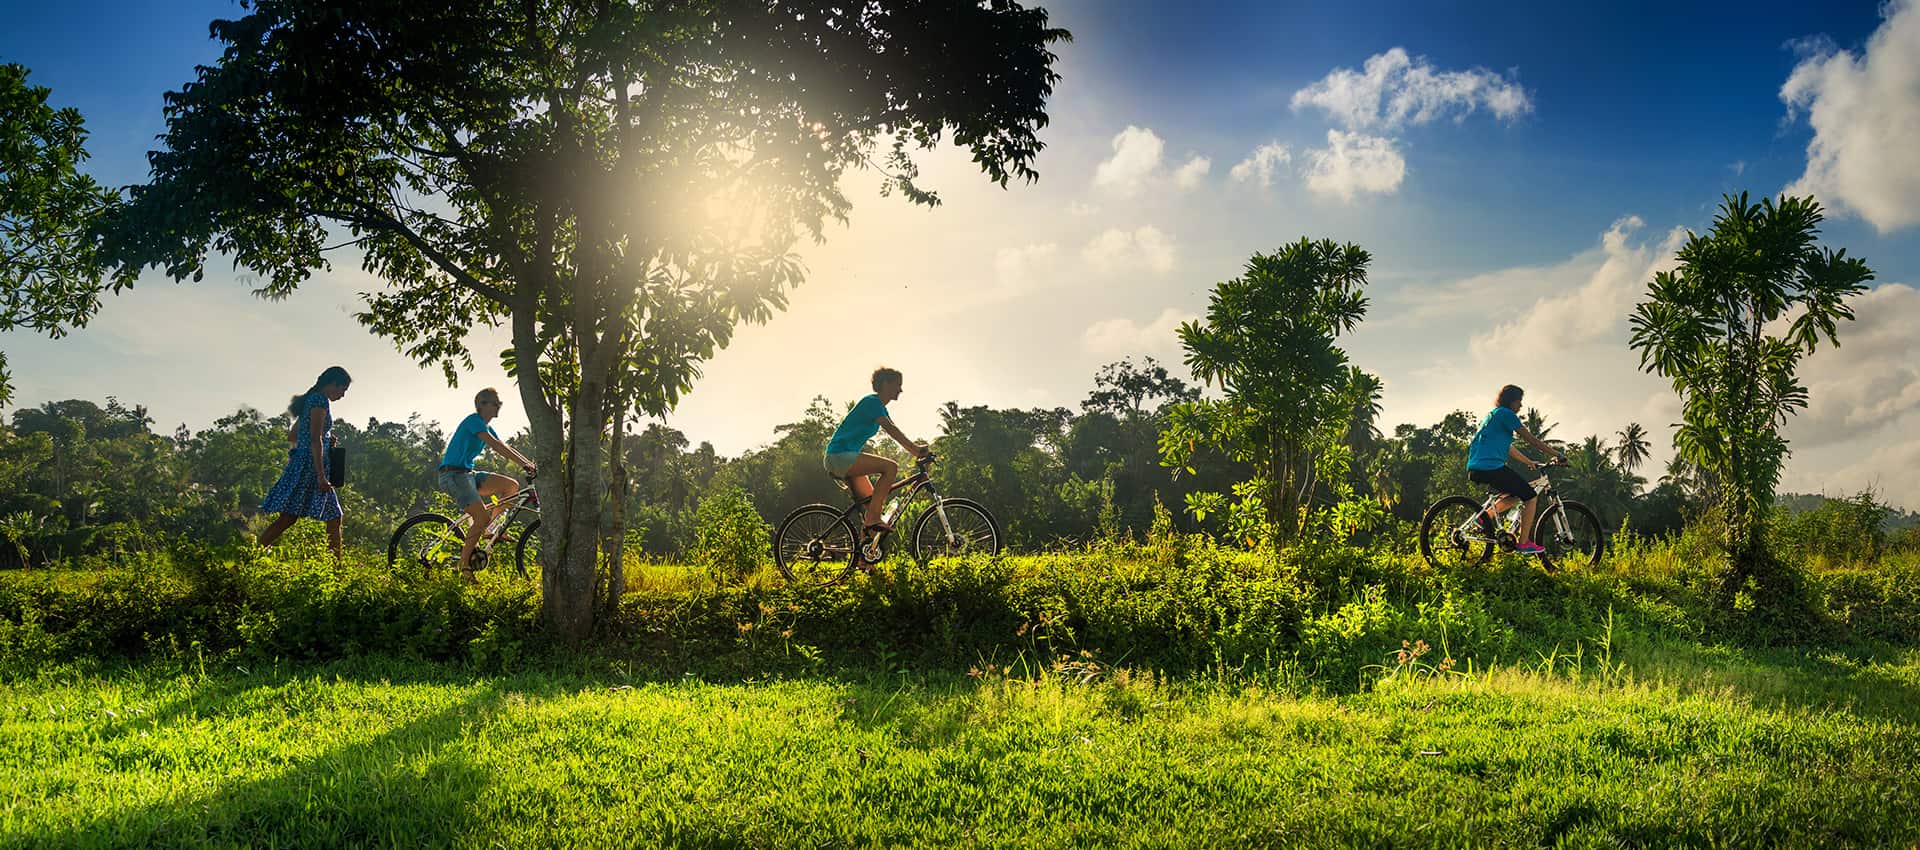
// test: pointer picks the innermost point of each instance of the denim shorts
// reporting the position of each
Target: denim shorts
(838, 464)
(463, 485)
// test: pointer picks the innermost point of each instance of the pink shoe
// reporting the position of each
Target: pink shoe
(1531, 548)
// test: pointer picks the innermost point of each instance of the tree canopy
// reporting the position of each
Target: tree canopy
(51, 270)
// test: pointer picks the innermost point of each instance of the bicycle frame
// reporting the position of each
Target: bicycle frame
(526, 500)
(912, 485)
(1549, 500)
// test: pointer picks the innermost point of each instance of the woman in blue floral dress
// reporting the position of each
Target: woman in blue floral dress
(303, 489)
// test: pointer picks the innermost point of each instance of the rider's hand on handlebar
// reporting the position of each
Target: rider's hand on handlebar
(922, 452)
(530, 470)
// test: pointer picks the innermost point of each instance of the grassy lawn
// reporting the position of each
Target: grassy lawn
(1680, 747)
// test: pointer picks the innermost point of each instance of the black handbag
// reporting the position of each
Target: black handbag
(337, 466)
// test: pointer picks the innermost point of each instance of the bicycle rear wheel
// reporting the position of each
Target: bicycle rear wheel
(425, 544)
(1579, 544)
(815, 545)
(974, 530)
(1445, 538)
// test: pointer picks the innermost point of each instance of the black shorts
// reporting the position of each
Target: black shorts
(1505, 480)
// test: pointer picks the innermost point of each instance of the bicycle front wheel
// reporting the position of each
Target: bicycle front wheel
(815, 545)
(529, 536)
(968, 528)
(1570, 532)
(425, 544)
(1449, 538)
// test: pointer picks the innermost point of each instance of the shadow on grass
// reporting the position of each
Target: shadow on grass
(397, 788)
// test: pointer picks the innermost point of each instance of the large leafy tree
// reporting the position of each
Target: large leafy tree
(51, 270)
(587, 172)
(1728, 327)
(1268, 342)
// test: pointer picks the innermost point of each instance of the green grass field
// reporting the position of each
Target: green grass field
(1661, 746)
(1176, 694)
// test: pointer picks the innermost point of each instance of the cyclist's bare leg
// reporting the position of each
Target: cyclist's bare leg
(888, 472)
(277, 528)
(483, 514)
(1526, 520)
(478, 518)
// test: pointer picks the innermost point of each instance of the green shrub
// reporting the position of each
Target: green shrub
(1877, 602)
(730, 539)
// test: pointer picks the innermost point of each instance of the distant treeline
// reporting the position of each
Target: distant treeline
(84, 480)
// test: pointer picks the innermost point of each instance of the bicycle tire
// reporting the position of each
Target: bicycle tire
(1445, 517)
(520, 559)
(974, 528)
(811, 541)
(1586, 541)
(432, 550)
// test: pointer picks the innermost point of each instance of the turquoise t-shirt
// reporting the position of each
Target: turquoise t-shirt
(465, 443)
(1494, 439)
(860, 425)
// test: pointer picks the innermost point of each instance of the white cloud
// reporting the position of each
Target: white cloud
(1352, 163)
(1871, 379)
(1136, 155)
(1193, 171)
(1260, 165)
(1117, 250)
(1598, 308)
(1884, 463)
(1124, 338)
(1864, 110)
(1394, 90)
(1016, 268)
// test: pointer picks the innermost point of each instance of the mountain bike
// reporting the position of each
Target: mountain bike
(821, 544)
(1451, 536)
(429, 542)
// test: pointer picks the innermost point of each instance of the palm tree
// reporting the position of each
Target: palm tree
(1365, 390)
(1633, 446)
(1538, 425)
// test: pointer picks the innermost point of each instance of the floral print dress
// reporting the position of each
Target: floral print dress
(298, 492)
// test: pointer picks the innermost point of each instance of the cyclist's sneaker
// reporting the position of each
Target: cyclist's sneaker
(1531, 548)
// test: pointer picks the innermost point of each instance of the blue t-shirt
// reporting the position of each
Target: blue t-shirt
(860, 425)
(465, 443)
(1495, 437)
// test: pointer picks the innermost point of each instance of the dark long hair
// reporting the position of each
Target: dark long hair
(335, 376)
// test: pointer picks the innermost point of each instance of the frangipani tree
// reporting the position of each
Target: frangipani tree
(1728, 327)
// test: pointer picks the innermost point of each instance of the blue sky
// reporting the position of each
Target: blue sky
(1512, 222)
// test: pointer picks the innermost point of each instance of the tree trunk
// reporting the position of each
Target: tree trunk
(549, 432)
(574, 571)
(615, 543)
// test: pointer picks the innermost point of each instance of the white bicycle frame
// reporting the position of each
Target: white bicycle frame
(1510, 521)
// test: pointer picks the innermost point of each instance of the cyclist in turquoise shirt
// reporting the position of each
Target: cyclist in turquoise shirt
(470, 489)
(845, 457)
(1487, 464)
